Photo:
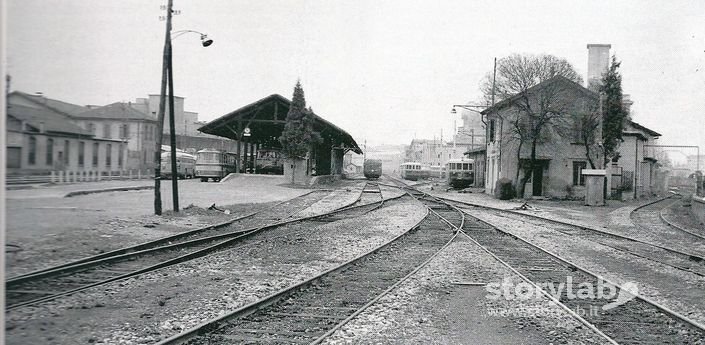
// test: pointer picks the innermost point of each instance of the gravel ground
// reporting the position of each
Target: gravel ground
(112, 233)
(389, 192)
(335, 200)
(565, 210)
(675, 289)
(158, 304)
(679, 214)
(432, 308)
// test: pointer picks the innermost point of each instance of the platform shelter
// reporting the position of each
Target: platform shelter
(258, 126)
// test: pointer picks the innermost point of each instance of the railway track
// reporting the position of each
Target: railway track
(650, 217)
(626, 319)
(52, 283)
(314, 309)
(678, 259)
(688, 262)
(277, 212)
(637, 321)
(691, 229)
(371, 192)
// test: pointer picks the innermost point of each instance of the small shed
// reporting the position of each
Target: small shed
(260, 124)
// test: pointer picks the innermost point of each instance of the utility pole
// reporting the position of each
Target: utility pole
(160, 115)
(172, 125)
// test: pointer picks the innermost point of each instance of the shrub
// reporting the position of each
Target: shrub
(504, 189)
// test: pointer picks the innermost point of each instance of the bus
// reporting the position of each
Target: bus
(214, 164)
(185, 165)
(269, 161)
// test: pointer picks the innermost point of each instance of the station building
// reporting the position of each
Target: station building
(258, 126)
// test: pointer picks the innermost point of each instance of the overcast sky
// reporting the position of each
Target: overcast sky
(382, 70)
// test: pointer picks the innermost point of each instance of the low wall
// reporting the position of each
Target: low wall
(698, 208)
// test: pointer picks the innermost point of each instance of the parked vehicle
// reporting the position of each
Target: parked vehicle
(185, 165)
(412, 171)
(461, 172)
(372, 168)
(215, 164)
(269, 161)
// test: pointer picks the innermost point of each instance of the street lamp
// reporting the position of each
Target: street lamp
(167, 75)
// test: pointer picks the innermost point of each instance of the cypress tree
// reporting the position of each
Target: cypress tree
(614, 116)
(298, 135)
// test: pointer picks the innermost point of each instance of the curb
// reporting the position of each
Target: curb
(117, 189)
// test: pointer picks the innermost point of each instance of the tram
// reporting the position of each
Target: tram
(372, 168)
(214, 164)
(461, 173)
(185, 165)
(412, 171)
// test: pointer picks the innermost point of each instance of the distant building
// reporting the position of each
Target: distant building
(186, 125)
(560, 157)
(434, 152)
(41, 140)
(124, 122)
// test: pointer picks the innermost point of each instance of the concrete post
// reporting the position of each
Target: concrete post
(52, 176)
(594, 187)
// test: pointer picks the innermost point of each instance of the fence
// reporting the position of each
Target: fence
(77, 176)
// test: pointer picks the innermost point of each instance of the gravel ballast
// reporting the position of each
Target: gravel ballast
(678, 290)
(158, 304)
(443, 304)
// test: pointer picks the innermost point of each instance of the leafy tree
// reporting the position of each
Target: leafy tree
(535, 110)
(614, 116)
(298, 135)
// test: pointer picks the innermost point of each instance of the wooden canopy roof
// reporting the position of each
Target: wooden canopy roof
(266, 118)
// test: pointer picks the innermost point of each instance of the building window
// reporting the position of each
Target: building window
(492, 125)
(91, 128)
(578, 177)
(95, 154)
(81, 153)
(121, 156)
(50, 151)
(14, 158)
(32, 151)
(124, 131)
(66, 152)
(108, 149)
(106, 131)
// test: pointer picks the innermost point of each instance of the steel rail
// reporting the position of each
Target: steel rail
(198, 253)
(674, 225)
(545, 293)
(567, 263)
(156, 242)
(693, 257)
(673, 314)
(204, 327)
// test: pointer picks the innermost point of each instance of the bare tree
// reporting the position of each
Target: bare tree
(585, 127)
(533, 86)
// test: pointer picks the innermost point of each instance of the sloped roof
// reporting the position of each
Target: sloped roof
(538, 87)
(117, 110)
(646, 130)
(223, 126)
(53, 104)
(52, 121)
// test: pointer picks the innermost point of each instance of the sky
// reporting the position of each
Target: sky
(385, 71)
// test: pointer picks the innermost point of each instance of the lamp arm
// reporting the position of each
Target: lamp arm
(175, 34)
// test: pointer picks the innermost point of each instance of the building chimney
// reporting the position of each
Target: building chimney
(627, 103)
(598, 63)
